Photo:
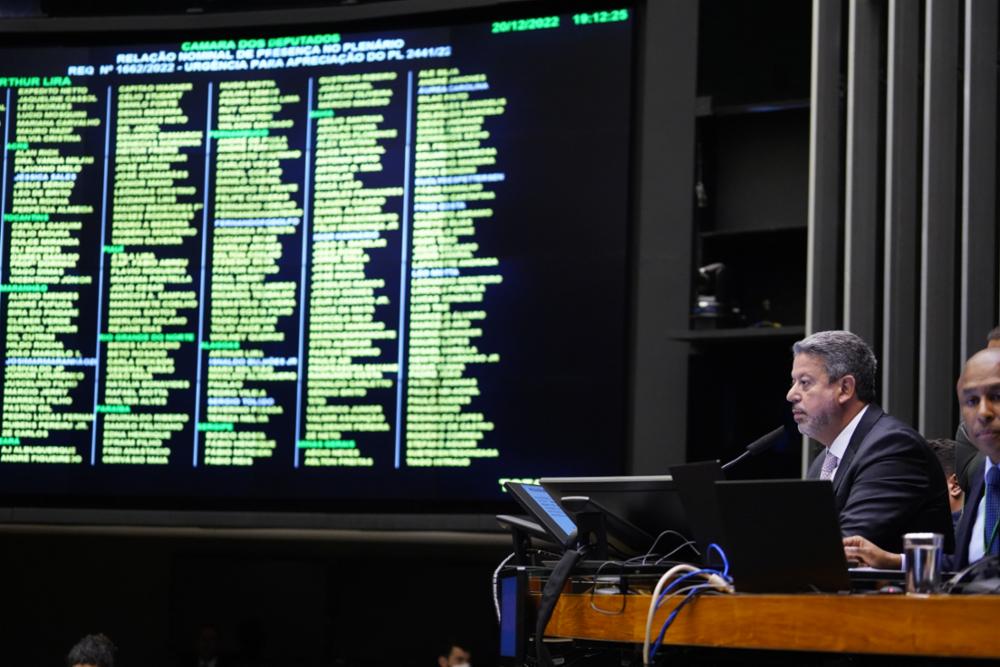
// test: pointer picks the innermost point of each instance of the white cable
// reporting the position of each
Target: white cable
(667, 576)
(679, 591)
(714, 580)
(496, 575)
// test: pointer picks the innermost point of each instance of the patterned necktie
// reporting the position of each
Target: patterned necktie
(990, 538)
(829, 465)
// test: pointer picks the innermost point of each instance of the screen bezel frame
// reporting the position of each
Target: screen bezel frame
(320, 513)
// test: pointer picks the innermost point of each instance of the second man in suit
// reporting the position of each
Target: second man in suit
(977, 535)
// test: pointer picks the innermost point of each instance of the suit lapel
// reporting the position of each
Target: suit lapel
(963, 534)
(872, 415)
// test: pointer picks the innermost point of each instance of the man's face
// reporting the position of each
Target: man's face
(816, 404)
(979, 399)
(457, 658)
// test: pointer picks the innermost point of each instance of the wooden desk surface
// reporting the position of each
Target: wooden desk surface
(953, 626)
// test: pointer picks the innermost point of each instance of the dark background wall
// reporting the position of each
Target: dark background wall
(277, 599)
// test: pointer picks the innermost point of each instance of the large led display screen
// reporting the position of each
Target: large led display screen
(314, 265)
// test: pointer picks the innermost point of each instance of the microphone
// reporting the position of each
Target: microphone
(761, 444)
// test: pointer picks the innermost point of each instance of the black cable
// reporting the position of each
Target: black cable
(550, 595)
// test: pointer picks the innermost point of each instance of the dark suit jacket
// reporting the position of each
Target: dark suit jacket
(889, 483)
(963, 534)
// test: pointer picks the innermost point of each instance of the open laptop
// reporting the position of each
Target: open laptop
(782, 536)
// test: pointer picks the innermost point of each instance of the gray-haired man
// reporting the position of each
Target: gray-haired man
(886, 479)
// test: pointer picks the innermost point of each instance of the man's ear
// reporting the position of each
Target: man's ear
(442, 662)
(954, 488)
(847, 387)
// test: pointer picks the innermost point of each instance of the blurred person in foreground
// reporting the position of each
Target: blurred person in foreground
(453, 654)
(92, 651)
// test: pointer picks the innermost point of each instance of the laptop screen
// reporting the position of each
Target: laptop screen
(798, 514)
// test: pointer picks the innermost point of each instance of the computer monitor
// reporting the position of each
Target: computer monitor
(544, 509)
(650, 502)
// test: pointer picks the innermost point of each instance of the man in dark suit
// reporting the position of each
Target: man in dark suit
(976, 536)
(979, 400)
(968, 458)
(885, 478)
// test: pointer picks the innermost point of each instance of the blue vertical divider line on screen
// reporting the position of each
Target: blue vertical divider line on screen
(3, 187)
(403, 278)
(301, 370)
(201, 289)
(100, 279)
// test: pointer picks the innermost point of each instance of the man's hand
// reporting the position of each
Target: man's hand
(863, 552)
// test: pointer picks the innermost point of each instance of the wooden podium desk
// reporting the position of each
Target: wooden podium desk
(943, 626)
